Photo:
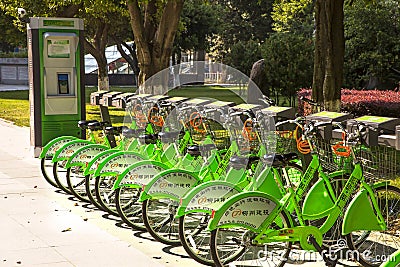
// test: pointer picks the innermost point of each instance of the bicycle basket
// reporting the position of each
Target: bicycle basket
(378, 162)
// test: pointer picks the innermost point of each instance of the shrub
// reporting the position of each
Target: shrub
(361, 102)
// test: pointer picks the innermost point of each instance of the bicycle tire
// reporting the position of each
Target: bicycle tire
(129, 208)
(159, 219)
(195, 238)
(196, 244)
(46, 167)
(384, 243)
(232, 247)
(60, 176)
(105, 193)
(77, 183)
(90, 182)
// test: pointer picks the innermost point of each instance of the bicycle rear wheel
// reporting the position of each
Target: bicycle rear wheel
(159, 219)
(129, 208)
(234, 247)
(375, 247)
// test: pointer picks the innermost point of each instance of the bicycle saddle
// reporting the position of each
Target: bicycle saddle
(279, 160)
(149, 138)
(129, 133)
(84, 123)
(168, 136)
(238, 162)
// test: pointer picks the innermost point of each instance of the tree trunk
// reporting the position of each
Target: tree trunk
(154, 38)
(97, 50)
(329, 53)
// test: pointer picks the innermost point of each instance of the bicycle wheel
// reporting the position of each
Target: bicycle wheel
(105, 193)
(159, 219)
(129, 208)
(377, 246)
(195, 237)
(46, 166)
(90, 185)
(60, 176)
(234, 246)
(77, 184)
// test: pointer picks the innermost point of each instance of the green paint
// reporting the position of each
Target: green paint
(59, 23)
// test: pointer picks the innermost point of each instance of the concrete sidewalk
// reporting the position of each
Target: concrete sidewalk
(40, 226)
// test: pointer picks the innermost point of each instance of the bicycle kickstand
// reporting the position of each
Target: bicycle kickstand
(328, 261)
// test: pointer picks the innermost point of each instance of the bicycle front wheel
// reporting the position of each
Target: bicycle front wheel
(60, 176)
(235, 247)
(375, 247)
(159, 219)
(77, 184)
(46, 166)
(105, 193)
(129, 208)
(195, 237)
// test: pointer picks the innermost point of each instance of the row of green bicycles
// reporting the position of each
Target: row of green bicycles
(235, 185)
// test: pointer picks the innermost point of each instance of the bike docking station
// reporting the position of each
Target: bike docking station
(56, 86)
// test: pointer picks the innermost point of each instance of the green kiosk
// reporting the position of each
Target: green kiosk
(56, 86)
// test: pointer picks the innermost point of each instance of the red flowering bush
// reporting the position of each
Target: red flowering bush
(361, 102)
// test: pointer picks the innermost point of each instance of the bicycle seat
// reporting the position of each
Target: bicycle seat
(112, 130)
(129, 133)
(279, 160)
(84, 123)
(94, 126)
(194, 150)
(149, 138)
(168, 136)
(207, 147)
(238, 162)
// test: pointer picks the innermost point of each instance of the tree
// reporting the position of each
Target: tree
(199, 21)
(13, 37)
(289, 63)
(329, 53)
(242, 25)
(372, 46)
(154, 24)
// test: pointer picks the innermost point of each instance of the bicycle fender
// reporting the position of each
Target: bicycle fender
(250, 210)
(117, 162)
(206, 197)
(139, 174)
(84, 155)
(52, 146)
(172, 183)
(360, 215)
(94, 163)
(68, 149)
(317, 200)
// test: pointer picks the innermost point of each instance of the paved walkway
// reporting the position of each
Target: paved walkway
(40, 226)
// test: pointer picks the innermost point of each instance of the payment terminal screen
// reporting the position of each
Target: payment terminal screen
(63, 83)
